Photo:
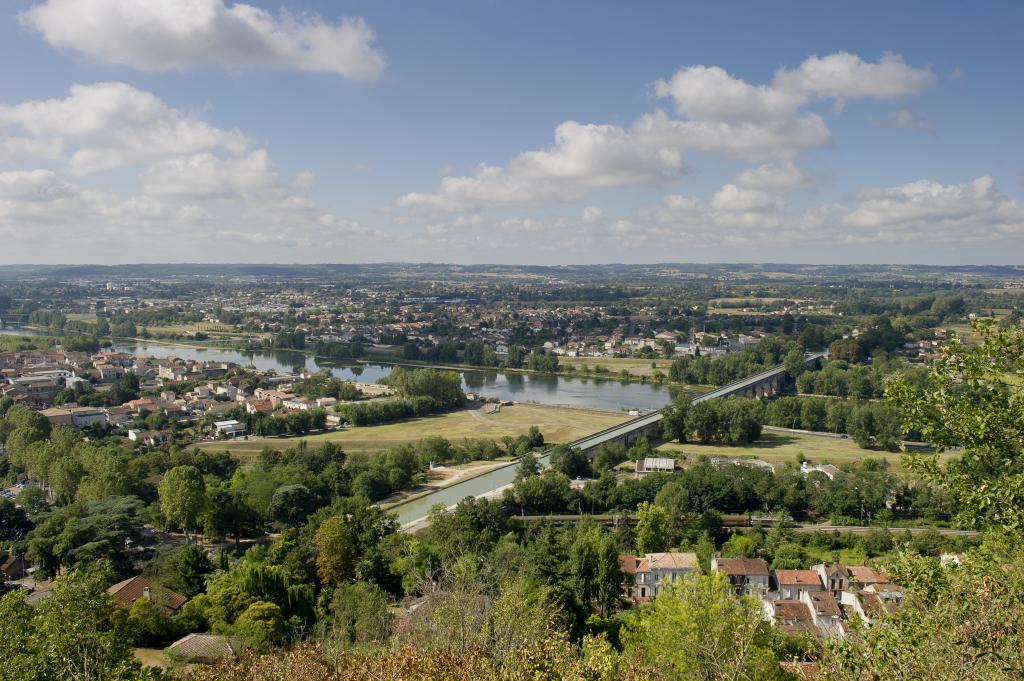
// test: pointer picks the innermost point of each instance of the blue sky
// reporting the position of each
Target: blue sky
(205, 130)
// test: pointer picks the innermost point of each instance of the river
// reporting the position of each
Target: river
(606, 394)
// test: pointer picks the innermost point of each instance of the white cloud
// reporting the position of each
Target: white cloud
(733, 199)
(781, 176)
(969, 211)
(718, 114)
(17, 148)
(113, 124)
(710, 93)
(592, 214)
(583, 157)
(842, 76)
(179, 34)
(203, 192)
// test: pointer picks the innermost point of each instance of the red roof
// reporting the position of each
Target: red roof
(134, 588)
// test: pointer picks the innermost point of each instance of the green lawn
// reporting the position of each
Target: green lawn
(780, 448)
(637, 367)
(558, 424)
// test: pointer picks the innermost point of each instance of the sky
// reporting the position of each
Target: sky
(526, 132)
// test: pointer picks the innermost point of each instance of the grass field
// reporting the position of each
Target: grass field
(637, 367)
(780, 448)
(558, 424)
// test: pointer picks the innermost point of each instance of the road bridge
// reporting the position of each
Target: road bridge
(412, 514)
(761, 385)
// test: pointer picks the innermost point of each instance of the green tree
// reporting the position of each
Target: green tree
(359, 616)
(973, 399)
(698, 629)
(651, 528)
(182, 495)
(76, 633)
(189, 566)
(335, 552)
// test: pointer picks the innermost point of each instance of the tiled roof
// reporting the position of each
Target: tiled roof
(862, 574)
(824, 603)
(742, 566)
(791, 611)
(671, 561)
(204, 647)
(797, 578)
(629, 563)
(134, 588)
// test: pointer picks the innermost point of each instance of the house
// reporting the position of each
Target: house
(204, 648)
(119, 416)
(108, 373)
(656, 465)
(791, 584)
(134, 588)
(789, 615)
(835, 577)
(150, 438)
(11, 566)
(866, 605)
(58, 416)
(86, 416)
(230, 429)
(260, 406)
(652, 572)
(862, 576)
(749, 576)
(825, 611)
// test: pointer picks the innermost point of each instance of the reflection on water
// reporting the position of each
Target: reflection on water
(577, 392)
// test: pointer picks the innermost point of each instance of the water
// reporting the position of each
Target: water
(556, 390)
(449, 496)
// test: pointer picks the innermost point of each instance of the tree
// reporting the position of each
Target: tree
(651, 528)
(335, 553)
(13, 523)
(698, 629)
(674, 419)
(76, 633)
(610, 577)
(189, 567)
(528, 467)
(960, 620)
(291, 504)
(570, 461)
(970, 401)
(182, 495)
(359, 615)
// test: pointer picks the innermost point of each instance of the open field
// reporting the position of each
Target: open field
(558, 424)
(189, 329)
(637, 367)
(780, 448)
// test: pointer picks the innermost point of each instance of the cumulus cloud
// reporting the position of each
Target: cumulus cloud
(179, 34)
(969, 211)
(110, 125)
(716, 113)
(776, 177)
(583, 157)
(200, 185)
(842, 76)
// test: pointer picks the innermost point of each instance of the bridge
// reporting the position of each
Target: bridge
(761, 385)
(412, 514)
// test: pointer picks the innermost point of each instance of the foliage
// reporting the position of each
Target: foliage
(969, 402)
(697, 628)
